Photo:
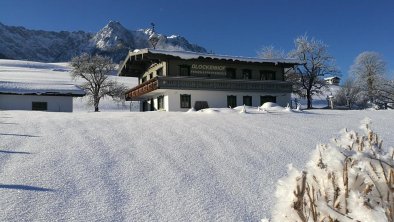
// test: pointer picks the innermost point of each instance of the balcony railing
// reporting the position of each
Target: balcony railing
(142, 89)
(223, 84)
(192, 83)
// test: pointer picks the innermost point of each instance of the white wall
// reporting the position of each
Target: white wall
(216, 99)
(24, 102)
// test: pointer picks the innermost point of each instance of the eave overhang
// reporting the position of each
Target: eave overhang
(138, 61)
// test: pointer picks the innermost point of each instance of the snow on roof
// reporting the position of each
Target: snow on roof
(6, 64)
(332, 77)
(36, 78)
(30, 88)
(195, 55)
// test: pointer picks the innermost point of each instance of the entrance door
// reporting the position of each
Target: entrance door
(152, 107)
(144, 106)
(247, 100)
(231, 101)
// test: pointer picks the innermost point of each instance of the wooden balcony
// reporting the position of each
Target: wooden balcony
(190, 83)
(142, 89)
(193, 83)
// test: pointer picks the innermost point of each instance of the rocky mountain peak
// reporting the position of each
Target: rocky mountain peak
(113, 35)
(114, 24)
(147, 31)
(113, 40)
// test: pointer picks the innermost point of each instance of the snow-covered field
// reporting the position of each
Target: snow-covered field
(217, 165)
(157, 166)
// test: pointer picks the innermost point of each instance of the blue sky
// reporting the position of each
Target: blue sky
(240, 28)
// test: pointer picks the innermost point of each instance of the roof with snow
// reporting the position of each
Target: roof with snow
(36, 78)
(141, 54)
(332, 77)
(29, 88)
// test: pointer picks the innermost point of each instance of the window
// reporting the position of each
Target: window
(43, 106)
(185, 101)
(267, 75)
(246, 74)
(184, 70)
(264, 99)
(247, 100)
(150, 75)
(160, 102)
(231, 101)
(143, 79)
(230, 73)
(159, 72)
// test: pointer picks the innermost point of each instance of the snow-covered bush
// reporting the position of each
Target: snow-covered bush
(351, 179)
(270, 106)
(350, 95)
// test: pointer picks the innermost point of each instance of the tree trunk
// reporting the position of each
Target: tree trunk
(370, 88)
(309, 98)
(96, 104)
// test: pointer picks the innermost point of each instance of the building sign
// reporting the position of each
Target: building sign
(200, 69)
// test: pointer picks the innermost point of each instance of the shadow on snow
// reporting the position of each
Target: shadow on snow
(13, 152)
(13, 134)
(8, 123)
(24, 187)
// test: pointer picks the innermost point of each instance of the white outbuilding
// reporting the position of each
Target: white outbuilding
(54, 97)
(333, 80)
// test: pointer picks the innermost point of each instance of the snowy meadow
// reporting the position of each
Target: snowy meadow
(217, 165)
(158, 166)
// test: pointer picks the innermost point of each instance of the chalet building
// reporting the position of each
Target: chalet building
(334, 80)
(178, 81)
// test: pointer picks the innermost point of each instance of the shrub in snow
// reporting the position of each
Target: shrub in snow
(288, 108)
(350, 95)
(298, 107)
(270, 106)
(351, 179)
(243, 110)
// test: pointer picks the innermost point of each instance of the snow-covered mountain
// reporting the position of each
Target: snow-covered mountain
(37, 45)
(113, 40)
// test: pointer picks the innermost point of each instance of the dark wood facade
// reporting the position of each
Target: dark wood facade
(157, 69)
(189, 83)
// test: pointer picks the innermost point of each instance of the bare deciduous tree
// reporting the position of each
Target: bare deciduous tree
(369, 70)
(385, 93)
(349, 95)
(95, 70)
(269, 52)
(318, 63)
